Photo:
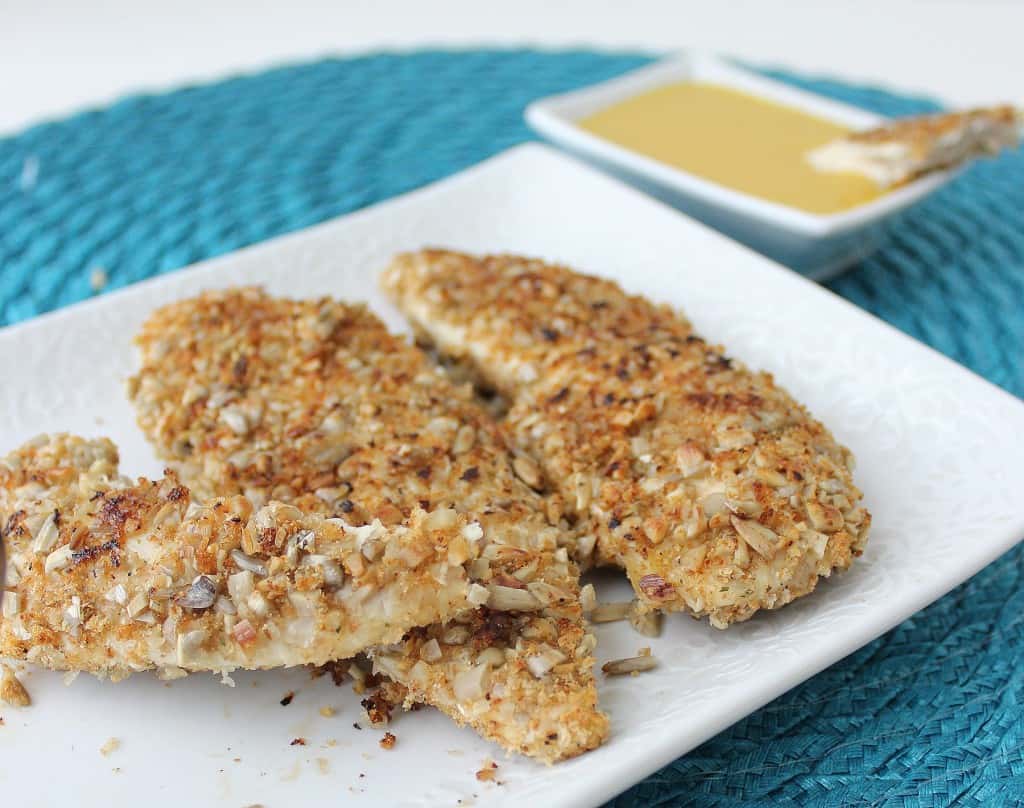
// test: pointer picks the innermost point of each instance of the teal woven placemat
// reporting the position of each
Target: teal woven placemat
(928, 715)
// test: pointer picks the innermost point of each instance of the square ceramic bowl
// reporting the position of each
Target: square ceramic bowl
(816, 245)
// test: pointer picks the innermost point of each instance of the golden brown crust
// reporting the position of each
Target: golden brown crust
(315, 403)
(711, 486)
(905, 149)
(113, 577)
(921, 132)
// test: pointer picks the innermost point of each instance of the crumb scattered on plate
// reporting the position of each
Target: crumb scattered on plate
(488, 773)
(388, 741)
(12, 691)
(298, 742)
(288, 698)
(630, 666)
(111, 746)
(378, 708)
(324, 765)
(328, 712)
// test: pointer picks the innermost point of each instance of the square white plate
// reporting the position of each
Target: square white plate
(934, 444)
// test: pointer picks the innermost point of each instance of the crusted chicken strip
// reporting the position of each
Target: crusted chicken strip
(315, 403)
(714, 490)
(905, 149)
(113, 577)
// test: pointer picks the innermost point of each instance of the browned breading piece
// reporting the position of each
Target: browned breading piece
(714, 490)
(315, 403)
(113, 577)
(905, 149)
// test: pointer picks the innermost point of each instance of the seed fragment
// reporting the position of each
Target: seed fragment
(492, 656)
(478, 595)
(629, 665)
(507, 599)
(689, 459)
(762, 540)
(713, 504)
(59, 559)
(249, 563)
(201, 595)
(744, 507)
(464, 439)
(610, 612)
(824, 517)
(10, 604)
(647, 623)
(236, 421)
(527, 471)
(431, 651)
(470, 684)
(539, 664)
(46, 536)
(588, 599)
(656, 587)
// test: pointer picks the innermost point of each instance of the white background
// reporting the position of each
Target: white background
(59, 56)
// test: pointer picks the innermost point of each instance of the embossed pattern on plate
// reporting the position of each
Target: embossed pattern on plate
(937, 450)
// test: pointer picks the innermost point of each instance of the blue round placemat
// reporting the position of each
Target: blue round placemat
(930, 714)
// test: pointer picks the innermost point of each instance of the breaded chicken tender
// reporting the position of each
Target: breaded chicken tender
(113, 577)
(714, 490)
(314, 403)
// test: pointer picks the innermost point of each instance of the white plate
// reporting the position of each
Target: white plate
(817, 245)
(934, 444)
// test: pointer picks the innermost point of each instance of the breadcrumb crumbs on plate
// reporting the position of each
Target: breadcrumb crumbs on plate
(288, 698)
(328, 712)
(111, 746)
(324, 765)
(12, 691)
(488, 773)
(388, 741)
(298, 742)
(645, 651)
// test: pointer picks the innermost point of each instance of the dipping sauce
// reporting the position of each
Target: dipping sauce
(735, 139)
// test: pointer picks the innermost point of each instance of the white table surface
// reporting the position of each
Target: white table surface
(60, 56)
